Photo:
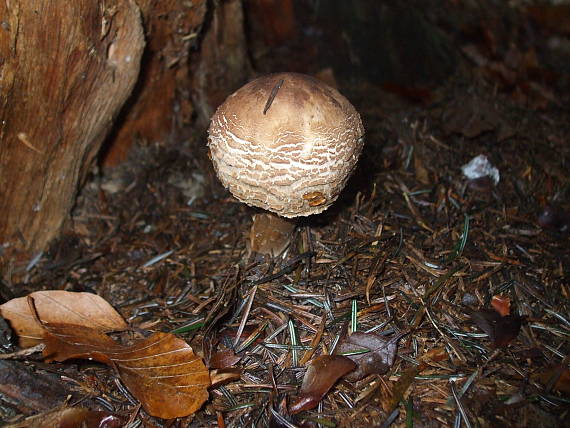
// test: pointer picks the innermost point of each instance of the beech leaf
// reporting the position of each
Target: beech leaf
(372, 353)
(224, 359)
(161, 371)
(58, 306)
(223, 376)
(500, 329)
(321, 375)
(68, 417)
(470, 117)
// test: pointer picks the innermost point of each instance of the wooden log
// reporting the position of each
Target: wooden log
(66, 68)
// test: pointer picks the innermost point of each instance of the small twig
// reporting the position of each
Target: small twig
(23, 352)
(134, 414)
(272, 378)
(273, 95)
(245, 315)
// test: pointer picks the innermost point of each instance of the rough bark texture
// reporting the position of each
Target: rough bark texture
(160, 105)
(271, 22)
(223, 63)
(66, 68)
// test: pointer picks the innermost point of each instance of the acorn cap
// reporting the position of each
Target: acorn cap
(286, 143)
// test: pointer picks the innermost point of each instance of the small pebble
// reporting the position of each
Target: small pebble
(469, 299)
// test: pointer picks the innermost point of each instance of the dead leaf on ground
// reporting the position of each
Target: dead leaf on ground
(161, 371)
(470, 117)
(422, 173)
(502, 305)
(70, 417)
(229, 334)
(372, 353)
(321, 375)
(58, 306)
(223, 376)
(224, 359)
(500, 329)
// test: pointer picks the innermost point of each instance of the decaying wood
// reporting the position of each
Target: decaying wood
(160, 105)
(223, 64)
(66, 70)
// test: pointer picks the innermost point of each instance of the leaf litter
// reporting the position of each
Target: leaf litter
(70, 417)
(161, 371)
(58, 306)
(410, 241)
(501, 329)
(372, 353)
(322, 373)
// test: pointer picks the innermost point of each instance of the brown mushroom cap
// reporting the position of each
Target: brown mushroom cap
(295, 158)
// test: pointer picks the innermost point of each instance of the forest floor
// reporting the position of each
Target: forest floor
(458, 288)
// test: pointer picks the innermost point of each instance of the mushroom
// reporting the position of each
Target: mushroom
(286, 143)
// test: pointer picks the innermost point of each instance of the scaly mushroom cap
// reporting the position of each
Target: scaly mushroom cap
(295, 158)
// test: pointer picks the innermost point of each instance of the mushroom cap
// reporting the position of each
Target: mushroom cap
(291, 156)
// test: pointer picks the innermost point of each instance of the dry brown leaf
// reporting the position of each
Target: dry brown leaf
(224, 359)
(58, 306)
(378, 358)
(422, 173)
(501, 304)
(500, 329)
(161, 371)
(223, 376)
(470, 117)
(321, 375)
(69, 417)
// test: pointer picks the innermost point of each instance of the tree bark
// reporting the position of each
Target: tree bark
(66, 68)
(222, 65)
(160, 106)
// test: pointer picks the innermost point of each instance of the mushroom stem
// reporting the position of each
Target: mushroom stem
(270, 234)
